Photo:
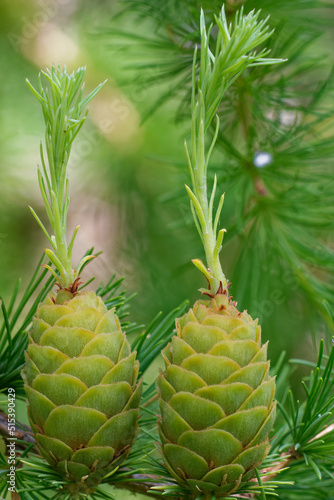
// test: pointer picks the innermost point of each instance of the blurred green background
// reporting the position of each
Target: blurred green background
(123, 172)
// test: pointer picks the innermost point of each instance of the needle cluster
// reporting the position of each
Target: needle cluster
(235, 51)
(63, 108)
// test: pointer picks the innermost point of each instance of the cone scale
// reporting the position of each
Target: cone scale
(216, 398)
(81, 384)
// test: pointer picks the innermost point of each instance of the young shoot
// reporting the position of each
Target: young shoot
(63, 105)
(235, 51)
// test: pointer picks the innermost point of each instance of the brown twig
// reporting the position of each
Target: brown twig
(273, 471)
(22, 432)
(328, 429)
(150, 401)
(291, 455)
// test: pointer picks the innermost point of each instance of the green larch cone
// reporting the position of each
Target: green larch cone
(216, 398)
(81, 384)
